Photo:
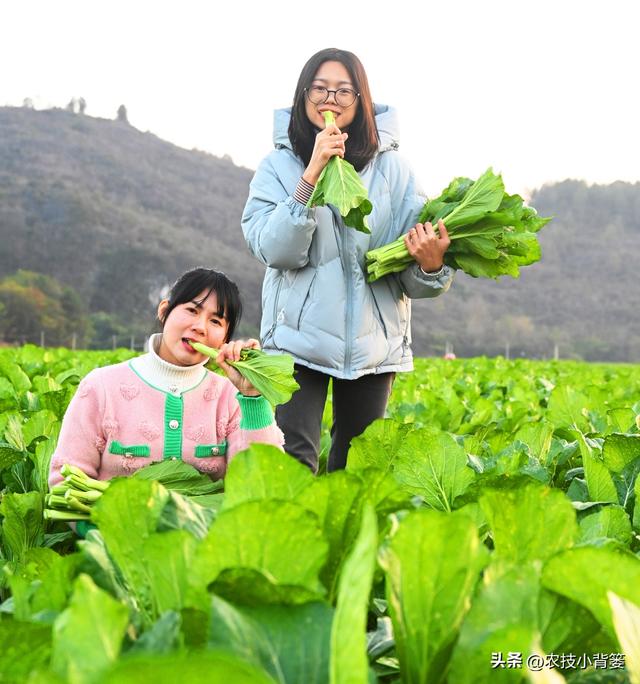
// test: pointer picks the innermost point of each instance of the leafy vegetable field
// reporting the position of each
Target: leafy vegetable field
(485, 531)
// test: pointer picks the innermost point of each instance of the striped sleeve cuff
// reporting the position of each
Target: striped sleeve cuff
(433, 274)
(255, 411)
(303, 191)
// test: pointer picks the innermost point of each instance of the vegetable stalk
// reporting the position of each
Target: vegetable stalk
(340, 185)
(270, 374)
(74, 497)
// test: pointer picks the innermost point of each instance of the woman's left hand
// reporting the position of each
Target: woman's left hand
(231, 352)
(427, 247)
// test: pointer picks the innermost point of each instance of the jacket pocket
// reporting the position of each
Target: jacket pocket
(378, 313)
(297, 297)
(306, 301)
(210, 450)
(130, 451)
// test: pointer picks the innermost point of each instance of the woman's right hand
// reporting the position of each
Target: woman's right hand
(329, 143)
(230, 351)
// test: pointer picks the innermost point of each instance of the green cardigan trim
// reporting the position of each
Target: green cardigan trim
(137, 450)
(172, 427)
(173, 411)
(256, 412)
(210, 450)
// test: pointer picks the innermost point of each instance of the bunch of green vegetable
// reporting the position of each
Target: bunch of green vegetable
(270, 374)
(340, 185)
(492, 233)
(75, 496)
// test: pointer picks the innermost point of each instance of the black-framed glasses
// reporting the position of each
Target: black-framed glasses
(344, 97)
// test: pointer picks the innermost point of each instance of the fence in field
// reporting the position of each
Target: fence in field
(123, 341)
(137, 342)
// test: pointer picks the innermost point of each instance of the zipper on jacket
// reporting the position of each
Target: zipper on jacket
(349, 297)
(405, 334)
(278, 316)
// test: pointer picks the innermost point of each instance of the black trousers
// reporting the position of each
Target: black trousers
(356, 404)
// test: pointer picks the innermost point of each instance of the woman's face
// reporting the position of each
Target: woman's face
(191, 321)
(333, 76)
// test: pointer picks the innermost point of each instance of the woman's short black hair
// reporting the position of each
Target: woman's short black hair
(190, 284)
(363, 134)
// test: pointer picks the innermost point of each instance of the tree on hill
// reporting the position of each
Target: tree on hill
(34, 304)
(76, 105)
(122, 114)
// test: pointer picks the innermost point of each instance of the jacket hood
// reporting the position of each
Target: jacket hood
(386, 121)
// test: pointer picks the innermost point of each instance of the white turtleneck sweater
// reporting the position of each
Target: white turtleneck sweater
(164, 375)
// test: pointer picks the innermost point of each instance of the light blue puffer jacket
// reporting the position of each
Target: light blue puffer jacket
(316, 302)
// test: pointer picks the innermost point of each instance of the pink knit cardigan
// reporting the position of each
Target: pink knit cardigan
(116, 423)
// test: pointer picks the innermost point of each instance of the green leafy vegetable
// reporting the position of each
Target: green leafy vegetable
(348, 638)
(626, 620)
(74, 497)
(432, 565)
(340, 185)
(270, 374)
(22, 527)
(269, 637)
(503, 618)
(492, 233)
(87, 636)
(178, 476)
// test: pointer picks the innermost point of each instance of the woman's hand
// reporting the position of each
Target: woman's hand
(231, 352)
(329, 143)
(426, 247)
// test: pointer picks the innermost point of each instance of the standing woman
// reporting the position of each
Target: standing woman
(316, 302)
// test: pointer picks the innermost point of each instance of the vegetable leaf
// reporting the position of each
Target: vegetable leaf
(492, 233)
(340, 185)
(270, 374)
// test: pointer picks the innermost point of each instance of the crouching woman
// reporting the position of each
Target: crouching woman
(165, 404)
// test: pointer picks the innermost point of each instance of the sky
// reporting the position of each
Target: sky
(541, 90)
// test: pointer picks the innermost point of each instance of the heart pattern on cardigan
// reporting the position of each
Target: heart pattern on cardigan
(149, 430)
(110, 427)
(211, 393)
(129, 392)
(195, 433)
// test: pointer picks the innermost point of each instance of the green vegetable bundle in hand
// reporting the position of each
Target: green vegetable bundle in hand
(270, 374)
(492, 233)
(340, 185)
(74, 497)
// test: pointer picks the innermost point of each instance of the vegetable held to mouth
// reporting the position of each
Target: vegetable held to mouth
(492, 233)
(340, 185)
(270, 374)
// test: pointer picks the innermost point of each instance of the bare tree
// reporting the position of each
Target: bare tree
(122, 114)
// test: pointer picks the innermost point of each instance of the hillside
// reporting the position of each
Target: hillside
(582, 295)
(117, 214)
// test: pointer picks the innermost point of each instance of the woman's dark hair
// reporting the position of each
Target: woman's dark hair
(363, 133)
(190, 284)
